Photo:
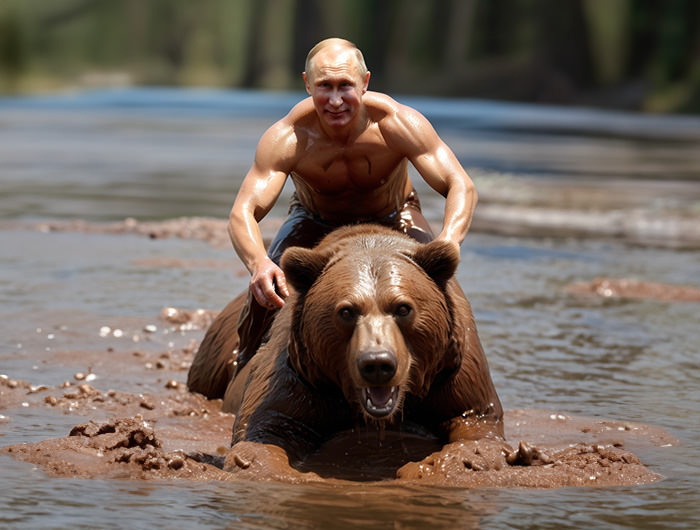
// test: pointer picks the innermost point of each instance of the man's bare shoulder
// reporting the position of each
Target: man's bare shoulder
(294, 128)
(300, 112)
(381, 107)
(403, 127)
(301, 118)
(285, 134)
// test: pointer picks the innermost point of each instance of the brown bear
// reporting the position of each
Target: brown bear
(376, 332)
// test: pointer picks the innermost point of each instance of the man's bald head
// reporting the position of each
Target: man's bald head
(339, 44)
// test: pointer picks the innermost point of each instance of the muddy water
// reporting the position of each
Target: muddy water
(159, 155)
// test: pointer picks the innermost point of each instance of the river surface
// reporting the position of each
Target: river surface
(159, 154)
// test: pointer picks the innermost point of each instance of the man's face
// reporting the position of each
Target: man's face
(336, 86)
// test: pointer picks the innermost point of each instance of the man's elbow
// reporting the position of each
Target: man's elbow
(234, 217)
(468, 190)
(471, 190)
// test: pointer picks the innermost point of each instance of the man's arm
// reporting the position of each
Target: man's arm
(411, 133)
(258, 193)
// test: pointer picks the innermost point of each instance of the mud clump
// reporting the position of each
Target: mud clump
(15, 392)
(122, 447)
(128, 441)
(487, 463)
(121, 433)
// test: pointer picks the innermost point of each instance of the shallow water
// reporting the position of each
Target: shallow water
(161, 154)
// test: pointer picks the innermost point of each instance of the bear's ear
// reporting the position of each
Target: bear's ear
(302, 266)
(439, 259)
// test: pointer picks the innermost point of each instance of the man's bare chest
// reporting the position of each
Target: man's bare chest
(365, 166)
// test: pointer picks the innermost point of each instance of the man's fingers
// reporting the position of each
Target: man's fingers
(269, 285)
(266, 296)
(281, 284)
(259, 295)
(276, 302)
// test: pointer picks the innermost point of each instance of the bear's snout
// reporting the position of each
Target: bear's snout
(377, 368)
(379, 365)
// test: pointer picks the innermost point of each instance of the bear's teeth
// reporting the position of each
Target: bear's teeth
(375, 400)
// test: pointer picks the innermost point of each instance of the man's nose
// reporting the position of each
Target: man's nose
(336, 100)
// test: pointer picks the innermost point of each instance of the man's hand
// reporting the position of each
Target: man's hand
(269, 285)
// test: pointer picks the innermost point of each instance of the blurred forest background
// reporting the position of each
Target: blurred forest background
(627, 54)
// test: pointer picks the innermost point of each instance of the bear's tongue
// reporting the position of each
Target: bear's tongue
(380, 395)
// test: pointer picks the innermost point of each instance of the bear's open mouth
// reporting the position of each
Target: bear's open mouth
(380, 401)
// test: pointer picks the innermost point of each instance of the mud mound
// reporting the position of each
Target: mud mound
(120, 448)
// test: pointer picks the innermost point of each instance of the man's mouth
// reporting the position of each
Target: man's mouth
(379, 401)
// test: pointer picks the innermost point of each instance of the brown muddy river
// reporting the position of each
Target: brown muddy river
(567, 196)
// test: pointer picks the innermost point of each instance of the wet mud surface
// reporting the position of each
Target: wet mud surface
(208, 229)
(134, 418)
(165, 432)
(632, 288)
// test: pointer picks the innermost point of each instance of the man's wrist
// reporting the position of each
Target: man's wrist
(262, 262)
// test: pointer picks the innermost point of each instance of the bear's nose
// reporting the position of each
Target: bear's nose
(377, 368)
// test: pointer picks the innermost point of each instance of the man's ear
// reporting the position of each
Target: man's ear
(306, 83)
(366, 85)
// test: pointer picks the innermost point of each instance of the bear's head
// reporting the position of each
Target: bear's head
(372, 315)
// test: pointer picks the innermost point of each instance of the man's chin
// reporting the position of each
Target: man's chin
(338, 119)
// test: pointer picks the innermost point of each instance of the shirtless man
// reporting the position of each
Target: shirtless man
(347, 151)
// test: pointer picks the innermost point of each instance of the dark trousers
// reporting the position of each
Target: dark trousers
(304, 229)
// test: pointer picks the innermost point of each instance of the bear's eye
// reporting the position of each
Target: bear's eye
(403, 310)
(347, 314)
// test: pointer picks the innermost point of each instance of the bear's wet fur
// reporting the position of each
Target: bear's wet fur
(376, 331)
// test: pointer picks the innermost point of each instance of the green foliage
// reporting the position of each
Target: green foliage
(639, 54)
(12, 46)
